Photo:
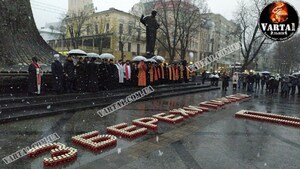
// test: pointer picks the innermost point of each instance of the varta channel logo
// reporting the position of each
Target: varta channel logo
(279, 21)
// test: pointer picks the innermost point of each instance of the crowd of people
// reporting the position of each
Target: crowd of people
(286, 85)
(87, 75)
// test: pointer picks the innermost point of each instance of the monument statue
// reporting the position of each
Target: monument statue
(151, 26)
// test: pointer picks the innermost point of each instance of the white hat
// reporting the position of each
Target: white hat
(56, 55)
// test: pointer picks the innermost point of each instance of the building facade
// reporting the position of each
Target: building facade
(222, 34)
(111, 31)
(75, 6)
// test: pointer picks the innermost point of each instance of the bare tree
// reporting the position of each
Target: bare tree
(75, 25)
(286, 62)
(128, 35)
(252, 40)
(102, 32)
(179, 22)
(190, 22)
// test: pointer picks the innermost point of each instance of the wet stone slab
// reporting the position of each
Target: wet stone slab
(210, 140)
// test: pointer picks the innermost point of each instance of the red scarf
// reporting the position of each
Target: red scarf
(36, 65)
(127, 73)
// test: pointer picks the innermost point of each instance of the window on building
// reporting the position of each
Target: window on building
(129, 30)
(121, 28)
(106, 42)
(87, 30)
(139, 35)
(96, 29)
(107, 27)
(88, 42)
(129, 47)
(138, 48)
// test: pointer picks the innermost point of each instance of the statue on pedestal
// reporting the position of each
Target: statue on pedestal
(151, 27)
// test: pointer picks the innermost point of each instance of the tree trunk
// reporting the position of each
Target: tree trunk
(20, 39)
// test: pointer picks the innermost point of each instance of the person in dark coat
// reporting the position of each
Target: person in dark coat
(294, 82)
(185, 73)
(32, 78)
(285, 87)
(257, 81)
(69, 70)
(203, 76)
(86, 79)
(92, 70)
(271, 85)
(298, 85)
(250, 82)
(81, 74)
(166, 71)
(225, 82)
(134, 74)
(57, 75)
(113, 75)
(103, 77)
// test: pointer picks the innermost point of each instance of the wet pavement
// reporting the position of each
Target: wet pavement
(210, 140)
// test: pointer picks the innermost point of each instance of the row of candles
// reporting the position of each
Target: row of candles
(269, 117)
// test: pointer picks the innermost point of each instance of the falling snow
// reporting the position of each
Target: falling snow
(119, 150)
(160, 153)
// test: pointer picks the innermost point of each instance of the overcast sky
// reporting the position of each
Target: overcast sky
(47, 11)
